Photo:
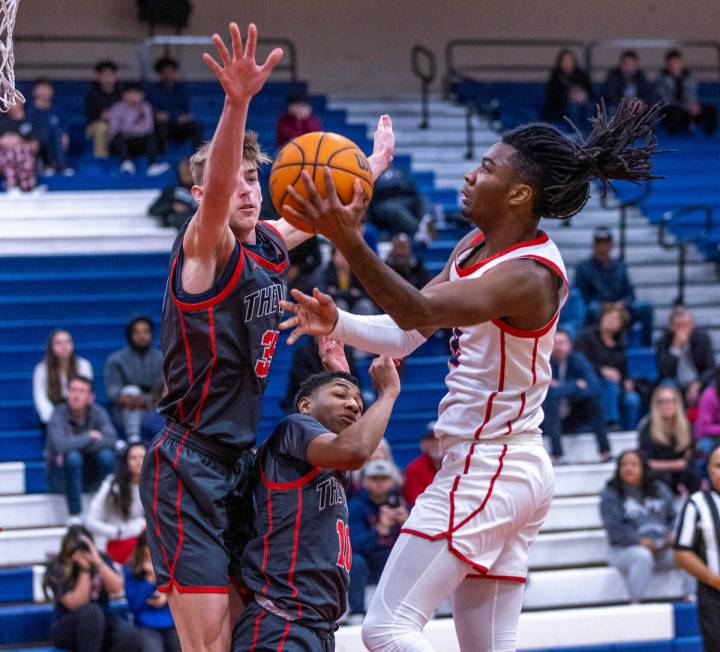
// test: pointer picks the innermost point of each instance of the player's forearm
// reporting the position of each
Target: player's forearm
(377, 334)
(360, 440)
(692, 564)
(398, 298)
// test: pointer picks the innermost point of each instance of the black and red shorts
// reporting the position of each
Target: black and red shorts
(197, 495)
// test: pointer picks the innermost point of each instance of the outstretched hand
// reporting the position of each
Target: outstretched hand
(240, 76)
(313, 315)
(383, 146)
(329, 216)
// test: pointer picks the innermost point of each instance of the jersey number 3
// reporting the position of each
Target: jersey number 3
(269, 342)
(345, 554)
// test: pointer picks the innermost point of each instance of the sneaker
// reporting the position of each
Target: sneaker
(155, 169)
(127, 167)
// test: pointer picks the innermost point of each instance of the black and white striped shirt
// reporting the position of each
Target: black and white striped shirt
(699, 528)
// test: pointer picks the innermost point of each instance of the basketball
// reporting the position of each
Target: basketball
(311, 152)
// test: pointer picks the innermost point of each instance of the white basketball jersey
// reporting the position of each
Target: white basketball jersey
(499, 375)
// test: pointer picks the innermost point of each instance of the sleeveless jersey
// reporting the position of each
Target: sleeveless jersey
(499, 375)
(219, 345)
(298, 565)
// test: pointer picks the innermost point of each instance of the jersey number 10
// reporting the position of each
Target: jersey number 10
(345, 555)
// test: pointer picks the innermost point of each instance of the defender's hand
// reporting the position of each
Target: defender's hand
(383, 147)
(384, 376)
(313, 315)
(329, 216)
(240, 76)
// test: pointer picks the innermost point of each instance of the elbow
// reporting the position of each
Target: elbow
(355, 461)
(417, 317)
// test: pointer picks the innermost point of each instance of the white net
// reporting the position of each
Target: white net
(9, 95)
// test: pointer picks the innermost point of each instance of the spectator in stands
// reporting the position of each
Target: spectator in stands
(604, 346)
(679, 89)
(174, 122)
(80, 443)
(49, 129)
(18, 150)
(696, 542)
(307, 359)
(132, 375)
(50, 376)
(402, 259)
(567, 91)
(103, 94)
(627, 80)
(176, 205)
(574, 398)
(376, 515)
(147, 605)
(345, 289)
(685, 354)
(707, 424)
(421, 471)
(131, 131)
(298, 119)
(382, 452)
(397, 205)
(638, 514)
(602, 279)
(666, 440)
(116, 513)
(305, 270)
(81, 579)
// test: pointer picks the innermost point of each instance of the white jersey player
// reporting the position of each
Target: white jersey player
(501, 293)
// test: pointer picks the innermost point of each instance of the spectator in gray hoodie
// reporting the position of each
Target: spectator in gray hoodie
(80, 444)
(638, 514)
(133, 376)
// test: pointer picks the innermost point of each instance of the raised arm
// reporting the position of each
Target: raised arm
(209, 236)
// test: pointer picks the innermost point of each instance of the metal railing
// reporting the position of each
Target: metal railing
(681, 244)
(424, 67)
(287, 64)
(625, 205)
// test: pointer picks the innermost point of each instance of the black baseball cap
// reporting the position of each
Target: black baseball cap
(602, 233)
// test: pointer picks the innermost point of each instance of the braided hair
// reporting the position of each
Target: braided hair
(560, 170)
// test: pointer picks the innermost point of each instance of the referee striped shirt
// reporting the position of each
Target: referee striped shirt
(699, 528)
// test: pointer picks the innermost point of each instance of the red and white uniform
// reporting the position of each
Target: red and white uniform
(493, 491)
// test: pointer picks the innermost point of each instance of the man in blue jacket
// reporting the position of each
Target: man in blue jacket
(375, 517)
(574, 398)
(602, 279)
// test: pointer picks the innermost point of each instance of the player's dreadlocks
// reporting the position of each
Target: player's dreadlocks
(560, 171)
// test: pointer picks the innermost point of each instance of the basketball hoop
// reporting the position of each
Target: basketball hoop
(9, 95)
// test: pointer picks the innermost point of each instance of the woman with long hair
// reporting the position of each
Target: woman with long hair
(80, 580)
(638, 515)
(115, 511)
(50, 376)
(666, 440)
(149, 607)
(707, 424)
(567, 91)
(604, 345)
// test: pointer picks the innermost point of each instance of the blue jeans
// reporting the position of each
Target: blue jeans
(585, 413)
(362, 573)
(619, 405)
(81, 468)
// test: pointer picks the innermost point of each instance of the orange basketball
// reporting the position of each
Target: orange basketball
(312, 152)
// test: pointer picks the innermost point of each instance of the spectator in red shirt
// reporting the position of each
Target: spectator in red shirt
(297, 120)
(421, 471)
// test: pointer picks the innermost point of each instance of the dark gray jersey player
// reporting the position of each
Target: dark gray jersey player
(297, 567)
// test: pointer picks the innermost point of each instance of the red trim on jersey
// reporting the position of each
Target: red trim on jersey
(157, 480)
(504, 578)
(534, 360)
(284, 636)
(180, 530)
(269, 225)
(487, 495)
(266, 545)
(275, 267)
(192, 589)
(203, 305)
(519, 414)
(501, 381)
(467, 560)
(208, 379)
(293, 556)
(261, 615)
(282, 486)
(542, 238)
(488, 411)
(179, 448)
(188, 352)
(422, 535)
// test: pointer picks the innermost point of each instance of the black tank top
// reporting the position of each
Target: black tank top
(301, 557)
(219, 345)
